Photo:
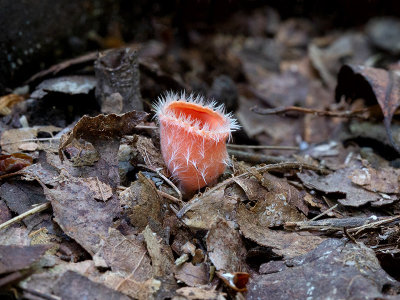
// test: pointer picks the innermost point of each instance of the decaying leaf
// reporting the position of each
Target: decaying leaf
(286, 244)
(160, 253)
(273, 206)
(14, 258)
(127, 255)
(334, 270)
(192, 275)
(206, 210)
(193, 293)
(12, 139)
(71, 85)
(84, 209)
(385, 180)
(14, 162)
(141, 202)
(104, 133)
(72, 285)
(339, 182)
(374, 86)
(225, 248)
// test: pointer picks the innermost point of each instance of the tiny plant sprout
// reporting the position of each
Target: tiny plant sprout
(193, 136)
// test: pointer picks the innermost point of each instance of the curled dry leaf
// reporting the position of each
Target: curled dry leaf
(225, 247)
(374, 86)
(236, 281)
(104, 132)
(14, 162)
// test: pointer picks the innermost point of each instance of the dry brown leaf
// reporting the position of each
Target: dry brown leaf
(104, 133)
(192, 275)
(127, 255)
(14, 258)
(193, 293)
(374, 85)
(12, 139)
(77, 211)
(339, 182)
(336, 269)
(141, 202)
(161, 254)
(73, 286)
(225, 248)
(273, 206)
(384, 180)
(286, 244)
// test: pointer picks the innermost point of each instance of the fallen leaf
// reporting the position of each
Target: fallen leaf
(14, 162)
(104, 133)
(193, 293)
(336, 269)
(141, 202)
(273, 206)
(225, 248)
(14, 258)
(78, 212)
(160, 253)
(339, 182)
(127, 255)
(71, 85)
(12, 139)
(72, 285)
(286, 244)
(385, 180)
(374, 86)
(192, 275)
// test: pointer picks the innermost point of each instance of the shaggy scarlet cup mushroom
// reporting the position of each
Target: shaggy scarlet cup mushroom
(193, 135)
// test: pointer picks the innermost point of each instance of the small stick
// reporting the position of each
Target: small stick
(28, 213)
(165, 178)
(357, 230)
(324, 213)
(256, 158)
(33, 140)
(234, 146)
(327, 113)
(170, 197)
(146, 127)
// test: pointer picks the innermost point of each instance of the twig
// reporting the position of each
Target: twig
(170, 197)
(349, 236)
(324, 213)
(233, 146)
(358, 229)
(256, 158)
(146, 127)
(165, 178)
(266, 168)
(326, 113)
(28, 213)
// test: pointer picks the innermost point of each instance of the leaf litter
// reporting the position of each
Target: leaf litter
(114, 224)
